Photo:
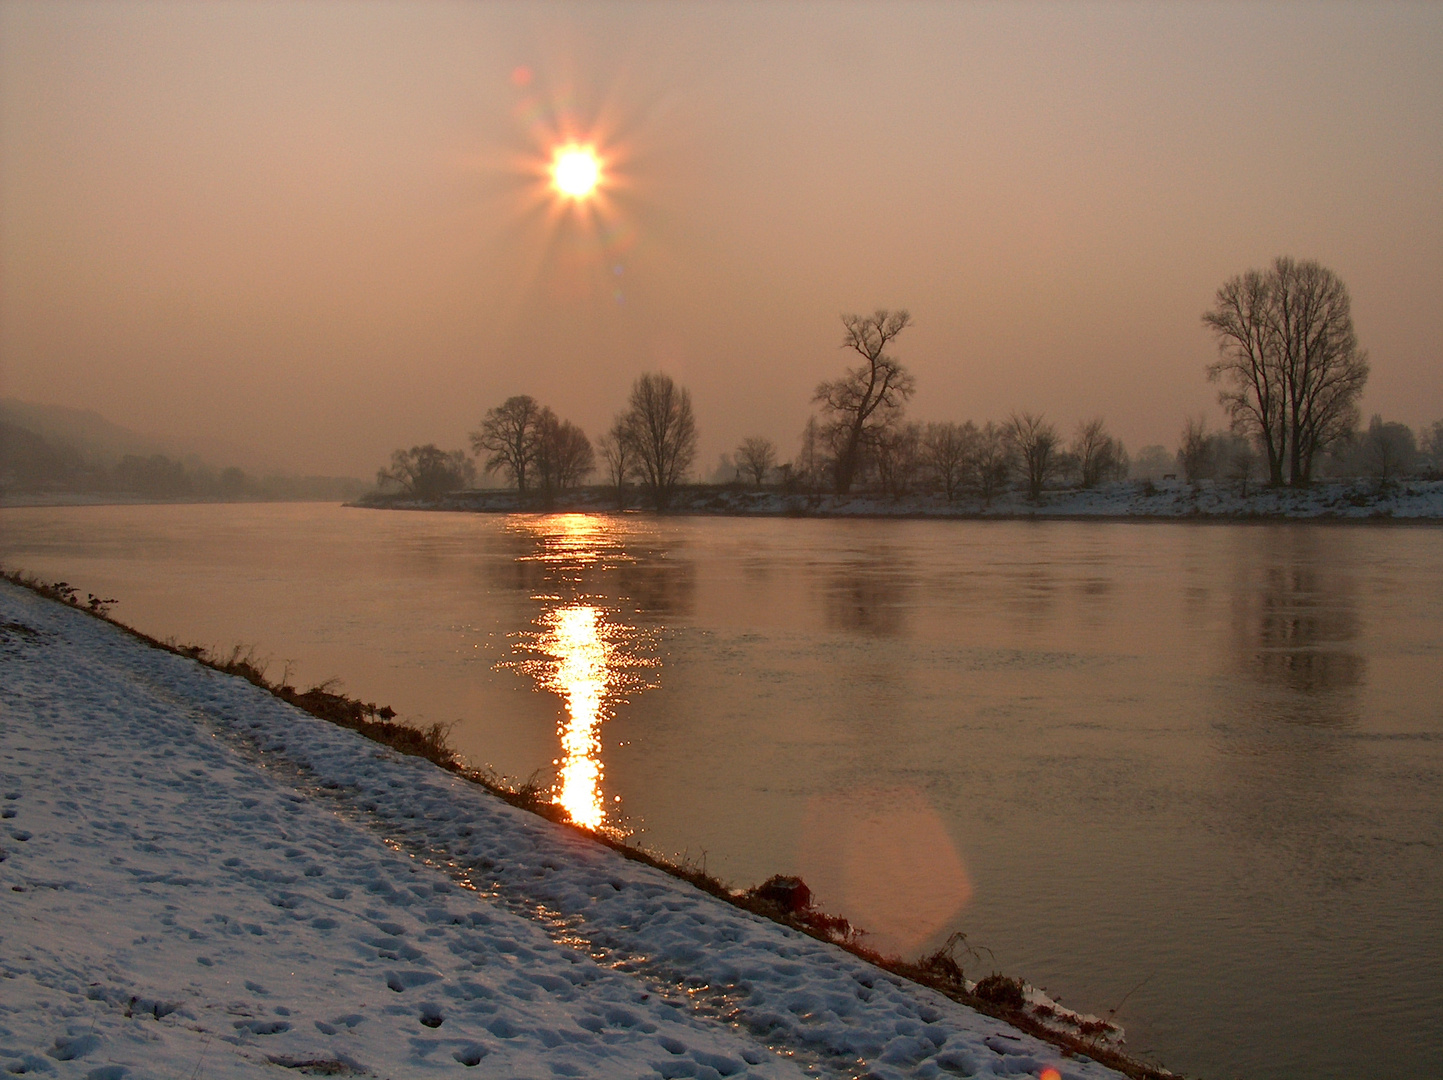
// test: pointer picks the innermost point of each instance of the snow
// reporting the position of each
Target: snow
(1354, 500)
(199, 880)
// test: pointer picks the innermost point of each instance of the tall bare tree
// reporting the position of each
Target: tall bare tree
(867, 396)
(949, 449)
(1035, 444)
(756, 457)
(1289, 361)
(660, 427)
(508, 434)
(1326, 370)
(1098, 456)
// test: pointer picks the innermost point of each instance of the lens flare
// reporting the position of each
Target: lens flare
(575, 171)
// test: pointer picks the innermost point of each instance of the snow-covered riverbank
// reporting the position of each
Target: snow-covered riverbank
(199, 880)
(1359, 500)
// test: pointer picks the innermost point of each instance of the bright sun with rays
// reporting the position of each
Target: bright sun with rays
(575, 171)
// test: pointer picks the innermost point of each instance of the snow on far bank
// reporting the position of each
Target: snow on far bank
(197, 880)
(1359, 500)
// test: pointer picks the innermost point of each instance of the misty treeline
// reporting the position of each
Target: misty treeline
(31, 463)
(651, 443)
(1289, 364)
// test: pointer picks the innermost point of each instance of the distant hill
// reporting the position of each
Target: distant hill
(51, 450)
(96, 439)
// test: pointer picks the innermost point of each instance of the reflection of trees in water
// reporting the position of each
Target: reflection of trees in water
(1301, 629)
(1295, 624)
(1032, 590)
(597, 558)
(1288, 769)
(868, 593)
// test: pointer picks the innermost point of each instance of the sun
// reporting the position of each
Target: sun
(575, 171)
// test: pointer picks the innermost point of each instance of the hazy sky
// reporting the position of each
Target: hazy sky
(309, 233)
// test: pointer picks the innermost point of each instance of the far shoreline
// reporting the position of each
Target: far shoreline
(1354, 503)
(1410, 502)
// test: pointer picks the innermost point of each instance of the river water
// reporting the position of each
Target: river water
(1186, 772)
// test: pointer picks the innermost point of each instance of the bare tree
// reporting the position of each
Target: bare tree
(993, 461)
(1098, 456)
(1196, 451)
(1432, 445)
(1035, 444)
(948, 450)
(508, 434)
(562, 453)
(662, 432)
(868, 396)
(1241, 320)
(1234, 457)
(1290, 362)
(427, 471)
(1326, 371)
(619, 456)
(813, 462)
(1389, 449)
(756, 457)
(897, 453)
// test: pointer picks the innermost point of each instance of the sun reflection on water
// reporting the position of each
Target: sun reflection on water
(580, 655)
(582, 651)
(580, 677)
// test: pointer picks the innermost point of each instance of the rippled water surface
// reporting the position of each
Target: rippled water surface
(1193, 773)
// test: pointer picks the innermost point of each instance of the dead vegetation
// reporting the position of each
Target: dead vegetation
(783, 899)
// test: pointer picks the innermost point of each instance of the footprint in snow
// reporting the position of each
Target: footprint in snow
(263, 1027)
(470, 1055)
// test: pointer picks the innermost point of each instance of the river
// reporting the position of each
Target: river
(1186, 772)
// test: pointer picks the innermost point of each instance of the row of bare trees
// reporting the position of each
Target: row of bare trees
(1384, 450)
(861, 433)
(652, 442)
(948, 457)
(533, 447)
(1289, 362)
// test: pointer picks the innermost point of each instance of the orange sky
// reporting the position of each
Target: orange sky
(307, 233)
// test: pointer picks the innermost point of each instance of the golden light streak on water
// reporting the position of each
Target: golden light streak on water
(581, 679)
(584, 649)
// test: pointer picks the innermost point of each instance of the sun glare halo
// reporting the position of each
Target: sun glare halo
(575, 171)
